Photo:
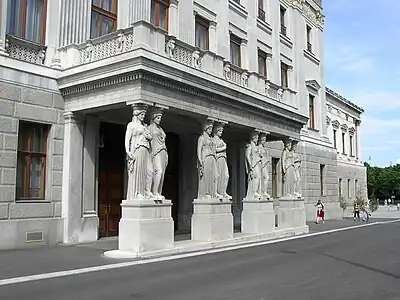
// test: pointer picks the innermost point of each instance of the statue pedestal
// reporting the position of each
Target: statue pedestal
(258, 216)
(212, 220)
(292, 213)
(145, 226)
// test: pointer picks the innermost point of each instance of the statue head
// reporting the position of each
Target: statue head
(218, 129)
(156, 115)
(254, 137)
(139, 112)
(262, 139)
(294, 145)
(287, 143)
(208, 126)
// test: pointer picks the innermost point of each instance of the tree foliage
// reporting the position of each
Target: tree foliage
(383, 183)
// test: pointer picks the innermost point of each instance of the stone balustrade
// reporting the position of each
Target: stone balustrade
(183, 53)
(25, 50)
(96, 49)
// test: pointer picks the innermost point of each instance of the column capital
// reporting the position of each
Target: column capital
(72, 117)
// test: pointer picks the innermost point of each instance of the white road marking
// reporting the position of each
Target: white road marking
(36, 277)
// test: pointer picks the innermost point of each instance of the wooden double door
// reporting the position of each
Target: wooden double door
(112, 183)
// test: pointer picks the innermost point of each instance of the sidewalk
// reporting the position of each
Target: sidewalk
(15, 263)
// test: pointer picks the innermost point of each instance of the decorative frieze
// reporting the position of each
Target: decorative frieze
(24, 50)
(309, 12)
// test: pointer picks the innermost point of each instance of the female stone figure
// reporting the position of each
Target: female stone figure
(253, 168)
(222, 165)
(265, 162)
(137, 146)
(296, 165)
(159, 154)
(288, 171)
(207, 164)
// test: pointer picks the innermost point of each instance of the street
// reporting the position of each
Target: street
(361, 263)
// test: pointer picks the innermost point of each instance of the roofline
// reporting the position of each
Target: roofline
(344, 100)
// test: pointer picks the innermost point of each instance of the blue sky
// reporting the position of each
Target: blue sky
(362, 63)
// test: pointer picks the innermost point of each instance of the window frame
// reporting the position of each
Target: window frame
(233, 39)
(284, 75)
(322, 178)
(343, 143)
(199, 20)
(261, 12)
(282, 16)
(311, 110)
(308, 33)
(262, 55)
(104, 13)
(22, 18)
(27, 155)
(157, 3)
(334, 138)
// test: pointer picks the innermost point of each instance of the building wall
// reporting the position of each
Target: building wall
(32, 98)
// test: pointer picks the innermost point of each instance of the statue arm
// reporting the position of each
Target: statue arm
(200, 150)
(128, 136)
(248, 158)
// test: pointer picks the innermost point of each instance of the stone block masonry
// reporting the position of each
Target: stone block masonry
(38, 103)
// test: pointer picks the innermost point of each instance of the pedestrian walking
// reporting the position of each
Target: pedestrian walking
(356, 210)
(320, 212)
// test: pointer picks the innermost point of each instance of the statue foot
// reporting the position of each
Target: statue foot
(150, 195)
(218, 196)
(229, 197)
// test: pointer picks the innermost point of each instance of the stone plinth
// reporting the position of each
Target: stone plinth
(212, 220)
(292, 213)
(146, 226)
(258, 216)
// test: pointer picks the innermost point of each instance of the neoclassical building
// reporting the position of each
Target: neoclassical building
(344, 122)
(71, 71)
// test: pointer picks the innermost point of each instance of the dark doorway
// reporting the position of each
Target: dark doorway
(111, 177)
(171, 180)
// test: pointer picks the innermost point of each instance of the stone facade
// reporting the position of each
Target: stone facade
(344, 124)
(75, 84)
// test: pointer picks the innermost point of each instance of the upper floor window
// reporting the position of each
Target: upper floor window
(284, 75)
(282, 20)
(311, 111)
(27, 19)
(31, 162)
(104, 17)
(351, 145)
(343, 143)
(159, 13)
(261, 11)
(235, 43)
(334, 139)
(262, 63)
(201, 33)
(308, 31)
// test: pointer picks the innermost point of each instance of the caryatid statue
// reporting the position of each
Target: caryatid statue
(288, 170)
(207, 164)
(137, 148)
(253, 168)
(297, 174)
(158, 153)
(265, 163)
(222, 164)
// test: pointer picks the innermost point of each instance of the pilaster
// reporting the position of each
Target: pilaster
(213, 39)
(139, 10)
(75, 16)
(245, 55)
(72, 177)
(173, 18)
(3, 25)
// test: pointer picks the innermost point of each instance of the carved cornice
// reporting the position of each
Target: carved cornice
(314, 15)
(313, 85)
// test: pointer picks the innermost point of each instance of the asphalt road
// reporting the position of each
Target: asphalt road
(357, 264)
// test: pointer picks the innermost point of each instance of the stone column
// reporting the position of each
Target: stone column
(213, 39)
(3, 25)
(74, 21)
(173, 18)
(90, 179)
(72, 177)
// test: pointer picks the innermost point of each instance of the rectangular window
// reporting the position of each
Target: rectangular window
(201, 33)
(309, 45)
(282, 19)
(340, 187)
(159, 13)
(275, 164)
(343, 143)
(262, 63)
(31, 162)
(26, 19)
(351, 145)
(321, 178)
(104, 17)
(261, 12)
(348, 189)
(334, 139)
(235, 50)
(284, 75)
(311, 111)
